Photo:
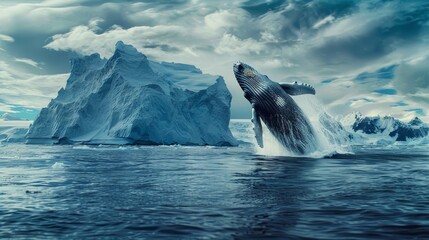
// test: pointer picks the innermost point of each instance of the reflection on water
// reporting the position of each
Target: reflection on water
(274, 203)
(176, 192)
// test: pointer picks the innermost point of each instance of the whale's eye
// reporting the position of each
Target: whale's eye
(249, 73)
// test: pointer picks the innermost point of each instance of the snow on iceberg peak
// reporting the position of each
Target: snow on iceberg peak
(129, 99)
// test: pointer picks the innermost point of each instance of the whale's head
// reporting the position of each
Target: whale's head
(249, 80)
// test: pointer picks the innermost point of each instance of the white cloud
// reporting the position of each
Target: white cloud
(324, 21)
(226, 19)
(84, 40)
(362, 21)
(27, 61)
(273, 63)
(93, 24)
(6, 38)
(413, 76)
(27, 90)
(232, 45)
(36, 17)
(354, 97)
(5, 74)
(3, 65)
(61, 15)
(33, 92)
(9, 71)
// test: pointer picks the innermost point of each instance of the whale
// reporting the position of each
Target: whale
(272, 104)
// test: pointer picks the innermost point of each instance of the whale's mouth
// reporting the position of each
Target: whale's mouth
(240, 76)
(237, 67)
(240, 67)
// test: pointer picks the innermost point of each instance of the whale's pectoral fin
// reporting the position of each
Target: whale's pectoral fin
(257, 127)
(297, 88)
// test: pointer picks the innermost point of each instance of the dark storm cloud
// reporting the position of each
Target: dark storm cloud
(345, 35)
(356, 49)
(163, 47)
(412, 80)
(260, 7)
(399, 29)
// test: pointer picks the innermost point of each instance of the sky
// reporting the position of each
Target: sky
(368, 56)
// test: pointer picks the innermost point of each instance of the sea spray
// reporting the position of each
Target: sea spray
(331, 135)
(272, 147)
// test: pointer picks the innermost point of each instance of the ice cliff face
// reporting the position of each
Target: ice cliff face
(385, 129)
(128, 99)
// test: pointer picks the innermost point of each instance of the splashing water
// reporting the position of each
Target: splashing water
(331, 137)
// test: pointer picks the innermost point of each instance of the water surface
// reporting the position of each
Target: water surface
(176, 192)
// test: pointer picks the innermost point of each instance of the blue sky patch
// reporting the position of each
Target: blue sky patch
(385, 73)
(386, 91)
(25, 113)
(399, 104)
(419, 111)
(328, 80)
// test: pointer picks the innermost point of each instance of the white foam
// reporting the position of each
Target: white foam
(58, 165)
(331, 136)
(272, 147)
(81, 147)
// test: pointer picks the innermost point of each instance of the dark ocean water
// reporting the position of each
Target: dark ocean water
(176, 192)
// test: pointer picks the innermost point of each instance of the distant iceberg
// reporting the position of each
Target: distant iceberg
(13, 128)
(384, 130)
(10, 117)
(129, 99)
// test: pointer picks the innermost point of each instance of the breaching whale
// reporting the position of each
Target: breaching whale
(272, 103)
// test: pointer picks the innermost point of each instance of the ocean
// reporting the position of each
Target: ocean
(181, 192)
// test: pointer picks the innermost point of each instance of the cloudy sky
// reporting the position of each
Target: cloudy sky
(370, 56)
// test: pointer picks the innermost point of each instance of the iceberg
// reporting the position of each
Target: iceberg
(384, 130)
(12, 128)
(129, 99)
(10, 117)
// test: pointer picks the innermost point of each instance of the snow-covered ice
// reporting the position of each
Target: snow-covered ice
(129, 99)
(385, 130)
(13, 128)
(58, 165)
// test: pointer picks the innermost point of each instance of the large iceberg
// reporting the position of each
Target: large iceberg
(129, 99)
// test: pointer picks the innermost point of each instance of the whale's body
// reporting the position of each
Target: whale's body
(272, 103)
